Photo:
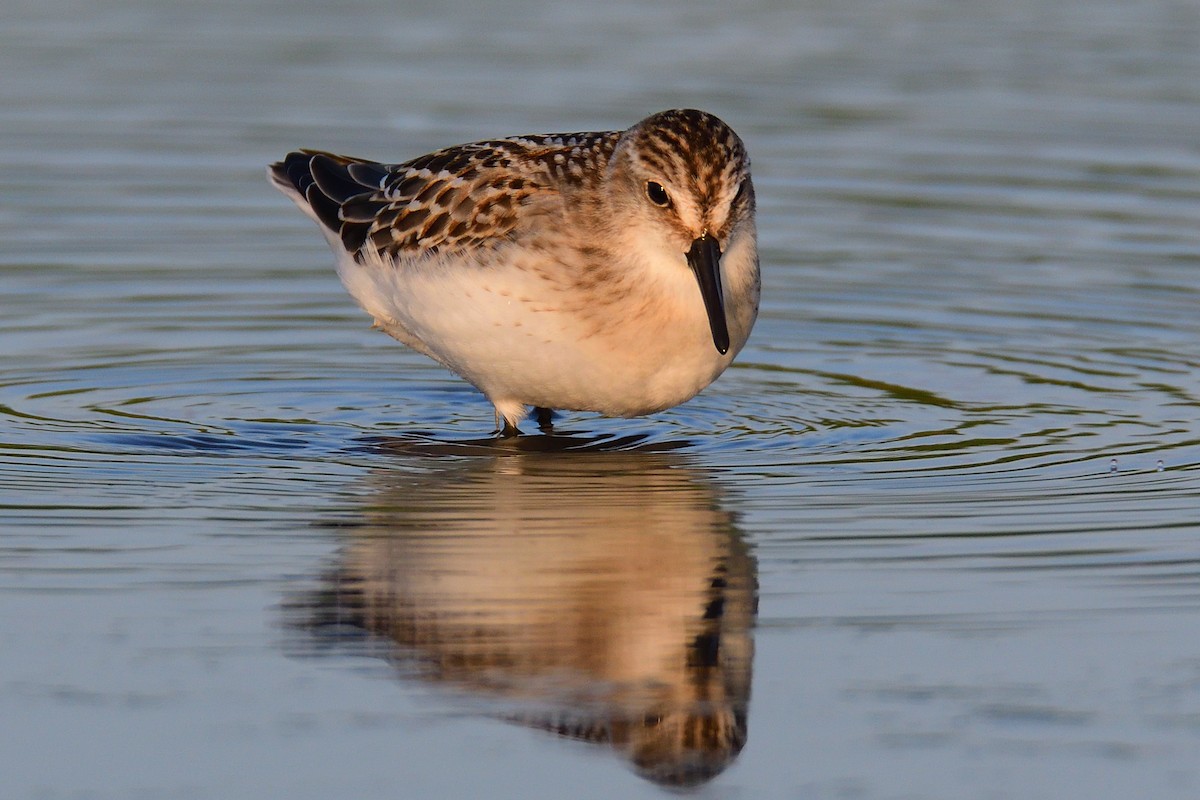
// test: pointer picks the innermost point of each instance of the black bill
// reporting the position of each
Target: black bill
(705, 260)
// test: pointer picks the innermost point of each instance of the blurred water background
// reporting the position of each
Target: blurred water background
(935, 535)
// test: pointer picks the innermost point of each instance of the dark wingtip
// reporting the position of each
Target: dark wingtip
(325, 208)
(292, 173)
(368, 173)
(328, 183)
(334, 178)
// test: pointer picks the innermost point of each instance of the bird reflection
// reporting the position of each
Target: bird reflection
(600, 596)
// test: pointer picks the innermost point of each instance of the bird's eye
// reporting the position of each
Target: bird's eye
(657, 194)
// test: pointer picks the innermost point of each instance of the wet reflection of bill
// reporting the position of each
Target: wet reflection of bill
(604, 597)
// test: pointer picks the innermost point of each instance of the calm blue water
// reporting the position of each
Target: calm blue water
(936, 535)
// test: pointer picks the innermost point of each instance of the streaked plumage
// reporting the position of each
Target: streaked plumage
(608, 271)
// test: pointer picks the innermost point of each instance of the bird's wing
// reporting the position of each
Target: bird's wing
(454, 199)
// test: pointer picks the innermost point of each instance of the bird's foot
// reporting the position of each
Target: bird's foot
(545, 419)
(543, 416)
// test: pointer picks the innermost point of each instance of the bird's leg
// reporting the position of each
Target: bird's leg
(507, 429)
(545, 418)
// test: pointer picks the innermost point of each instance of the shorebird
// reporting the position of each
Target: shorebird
(612, 271)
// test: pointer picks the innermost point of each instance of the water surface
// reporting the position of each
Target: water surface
(933, 536)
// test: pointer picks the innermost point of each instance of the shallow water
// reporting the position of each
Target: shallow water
(934, 535)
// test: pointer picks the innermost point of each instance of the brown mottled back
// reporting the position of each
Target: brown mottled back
(453, 199)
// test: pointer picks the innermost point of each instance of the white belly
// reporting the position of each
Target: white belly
(525, 341)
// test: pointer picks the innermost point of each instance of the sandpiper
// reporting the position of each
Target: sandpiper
(612, 271)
